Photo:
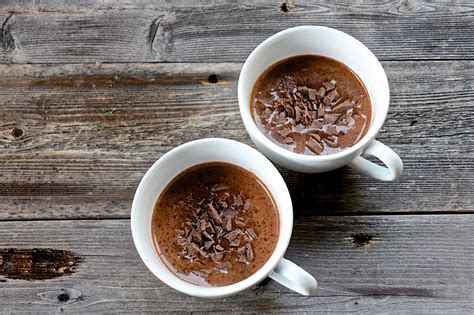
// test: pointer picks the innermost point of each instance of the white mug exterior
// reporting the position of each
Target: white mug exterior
(319, 40)
(215, 150)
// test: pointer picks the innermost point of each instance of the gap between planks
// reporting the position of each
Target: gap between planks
(316, 215)
(434, 60)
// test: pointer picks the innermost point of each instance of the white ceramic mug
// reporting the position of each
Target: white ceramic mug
(324, 41)
(217, 150)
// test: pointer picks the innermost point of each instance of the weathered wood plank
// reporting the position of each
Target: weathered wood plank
(391, 6)
(222, 31)
(72, 136)
(371, 264)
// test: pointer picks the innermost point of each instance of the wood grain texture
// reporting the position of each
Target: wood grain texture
(76, 139)
(415, 264)
(223, 31)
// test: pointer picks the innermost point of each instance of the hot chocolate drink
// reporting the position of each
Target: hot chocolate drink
(215, 224)
(311, 105)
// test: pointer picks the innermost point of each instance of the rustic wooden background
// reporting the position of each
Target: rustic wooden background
(93, 92)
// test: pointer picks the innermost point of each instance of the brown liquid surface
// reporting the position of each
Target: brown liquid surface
(193, 186)
(278, 85)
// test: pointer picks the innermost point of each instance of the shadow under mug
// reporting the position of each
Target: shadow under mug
(324, 41)
(217, 150)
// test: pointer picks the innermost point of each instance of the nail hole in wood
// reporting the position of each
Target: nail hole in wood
(362, 240)
(63, 297)
(17, 132)
(413, 122)
(213, 78)
(287, 6)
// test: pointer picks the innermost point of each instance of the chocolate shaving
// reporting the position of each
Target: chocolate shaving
(242, 259)
(320, 93)
(312, 94)
(248, 204)
(212, 212)
(210, 228)
(316, 136)
(329, 85)
(228, 224)
(206, 235)
(180, 240)
(224, 267)
(232, 235)
(241, 255)
(239, 221)
(346, 105)
(260, 106)
(197, 237)
(330, 143)
(284, 132)
(222, 204)
(248, 252)
(321, 112)
(331, 130)
(330, 118)
(314, 146)
(202, 225)
(216, 257)
(290, 111)
(203, 273)
(267, 113)
(220, 231)
(219, 187)
(279, 119)
(208, 244)
(193, 250)
(251, 233)
(238, 201)
(235, 243)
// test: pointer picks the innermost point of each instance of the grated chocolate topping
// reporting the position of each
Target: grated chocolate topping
(216, 229)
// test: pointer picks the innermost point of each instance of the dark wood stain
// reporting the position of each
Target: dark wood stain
(37, 263)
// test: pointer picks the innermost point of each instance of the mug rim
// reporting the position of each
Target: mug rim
(159, 269)
(253, 130)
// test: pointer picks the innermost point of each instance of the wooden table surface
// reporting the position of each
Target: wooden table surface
(93, 92)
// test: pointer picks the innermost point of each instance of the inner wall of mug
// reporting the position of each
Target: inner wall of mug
(188, 155)
(317, 40)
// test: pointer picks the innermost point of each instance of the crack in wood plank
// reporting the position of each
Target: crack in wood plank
(153, 30)
(159, 33)
(6, 37)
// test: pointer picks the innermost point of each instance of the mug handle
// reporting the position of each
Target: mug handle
(393, 163)
(294, 277)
